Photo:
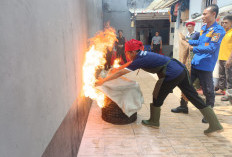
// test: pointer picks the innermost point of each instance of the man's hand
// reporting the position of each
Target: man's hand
(113, 76)
(160, 46)
(112, 70)
(191, 48)
(228, 64)
(99, 82)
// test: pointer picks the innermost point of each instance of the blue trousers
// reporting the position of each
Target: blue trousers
(206, 82)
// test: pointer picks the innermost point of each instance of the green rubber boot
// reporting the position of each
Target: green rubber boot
(214, 124)
(154, 117)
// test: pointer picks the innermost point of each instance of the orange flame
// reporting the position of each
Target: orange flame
(95, 60)
(116, 63)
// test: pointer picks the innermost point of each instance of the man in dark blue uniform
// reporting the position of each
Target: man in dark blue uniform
(171, 73)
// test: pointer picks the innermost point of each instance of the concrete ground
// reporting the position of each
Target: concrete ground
(180, 135)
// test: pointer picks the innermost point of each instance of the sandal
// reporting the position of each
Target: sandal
(225, 98)
(220, 92)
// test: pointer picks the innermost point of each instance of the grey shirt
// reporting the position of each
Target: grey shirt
(156, 40)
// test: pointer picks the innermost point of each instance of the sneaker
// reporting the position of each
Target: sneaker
(180, 109)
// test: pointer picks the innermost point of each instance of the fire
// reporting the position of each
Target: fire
(95, 60)
(116, 63)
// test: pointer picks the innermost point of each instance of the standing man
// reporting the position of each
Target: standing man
(225, 59)
(156, 43)
(206, 50)
(120, 46)
(171, 74)
(192, 35)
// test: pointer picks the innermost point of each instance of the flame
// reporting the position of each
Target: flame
(95, 60)
(116, 63)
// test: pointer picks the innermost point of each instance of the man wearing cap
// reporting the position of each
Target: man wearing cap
(192, 35)
(171, 73)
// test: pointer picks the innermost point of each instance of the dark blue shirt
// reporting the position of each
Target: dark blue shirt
(194, 36)
(150, 60)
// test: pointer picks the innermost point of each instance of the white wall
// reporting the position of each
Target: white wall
(222, 3)
(171, 35)
(41, 50)
(194, 7)
(119, 17)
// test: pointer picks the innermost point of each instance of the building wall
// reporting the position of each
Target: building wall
(194, 7)
(182, 30)
(172, 31)
(222, 3)
(117, 13)
(42, 44)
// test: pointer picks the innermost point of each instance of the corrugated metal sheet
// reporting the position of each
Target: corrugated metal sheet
(144, 11)
(160, 4)
(152, 17)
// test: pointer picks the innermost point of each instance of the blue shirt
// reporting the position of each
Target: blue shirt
(149, 60)
(206, 48)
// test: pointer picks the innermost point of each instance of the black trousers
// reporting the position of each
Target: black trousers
(156, 48)
(108, 60)
(206, 82)
(121, 53)
(185, 86)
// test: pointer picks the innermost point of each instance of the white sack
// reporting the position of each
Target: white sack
(125, 93)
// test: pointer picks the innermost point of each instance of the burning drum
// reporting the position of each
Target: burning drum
(112, 113)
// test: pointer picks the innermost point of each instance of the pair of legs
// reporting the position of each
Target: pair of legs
(185, 86)
(184, 100)
(121, 53)
(206, 83)
(156, 48)
(225, 78)
(189, 91)
(108, 60)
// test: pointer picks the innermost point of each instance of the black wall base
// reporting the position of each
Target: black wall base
(67, 139)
